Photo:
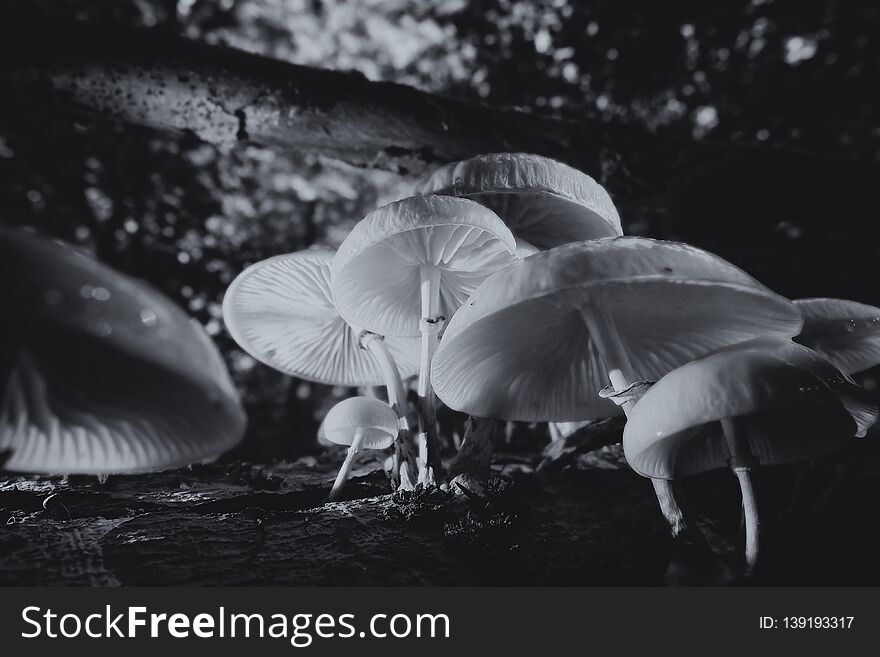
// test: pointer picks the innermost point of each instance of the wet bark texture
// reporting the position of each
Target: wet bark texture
(591, 522)
(225, 96)
(216, 526)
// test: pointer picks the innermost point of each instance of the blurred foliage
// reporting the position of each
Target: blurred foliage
(188, 217)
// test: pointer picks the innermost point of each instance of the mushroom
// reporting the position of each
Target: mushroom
(541, 200)
(846, 332)
(359, 423)
(281, 312)
(537, 339)
(107, 375)
(766, 401)
(409, 265)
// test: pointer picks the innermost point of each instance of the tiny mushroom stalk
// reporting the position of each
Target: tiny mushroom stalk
(403, 471)
(537, 340)
(395, 390)
(767, 401)
(406, 268)
(430, 325)
(157, 394)
(281, 312)
(359, 423)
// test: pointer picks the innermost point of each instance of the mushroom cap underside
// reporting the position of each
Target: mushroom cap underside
(281, 312)
(792, 408)
(80, 412)
(519, 348)
(106, 374)
(377, 271)
(377, 418)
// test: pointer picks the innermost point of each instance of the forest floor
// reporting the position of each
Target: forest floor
(587, 520)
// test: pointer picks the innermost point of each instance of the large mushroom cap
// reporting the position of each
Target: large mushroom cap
(520, 349)
(379, 420)
(281, 312)
(795, 406)
(846, 332)
(376, 271)
(107, 375)
(543, 201)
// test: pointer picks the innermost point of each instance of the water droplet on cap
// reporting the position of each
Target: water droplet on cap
(148, 317)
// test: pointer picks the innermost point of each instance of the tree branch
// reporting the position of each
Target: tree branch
(158, 80)
(752, 204)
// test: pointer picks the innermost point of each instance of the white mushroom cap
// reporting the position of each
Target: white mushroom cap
(543, 201)
(281, 312)
(846, 332)
(796, 406)
(519, 348)
(376, 271)
(109, 376)
(379, 420)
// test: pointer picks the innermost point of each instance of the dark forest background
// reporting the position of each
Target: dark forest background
(762, 113)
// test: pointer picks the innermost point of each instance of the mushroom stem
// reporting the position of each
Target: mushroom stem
(430, 327)
(741, 462)
(604, 335)
(375, 344)
(669, 506)
(345, 470)
(613, 355)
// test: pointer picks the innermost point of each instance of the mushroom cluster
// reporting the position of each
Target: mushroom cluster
(374, 312)
(506, 283)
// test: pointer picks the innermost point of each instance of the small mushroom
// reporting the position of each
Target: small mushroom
(537, 340)
(763, 401)
(543, 201)
(360, 423)
(281, 312)
(846, 332)
(107, 376)
(408, 266)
